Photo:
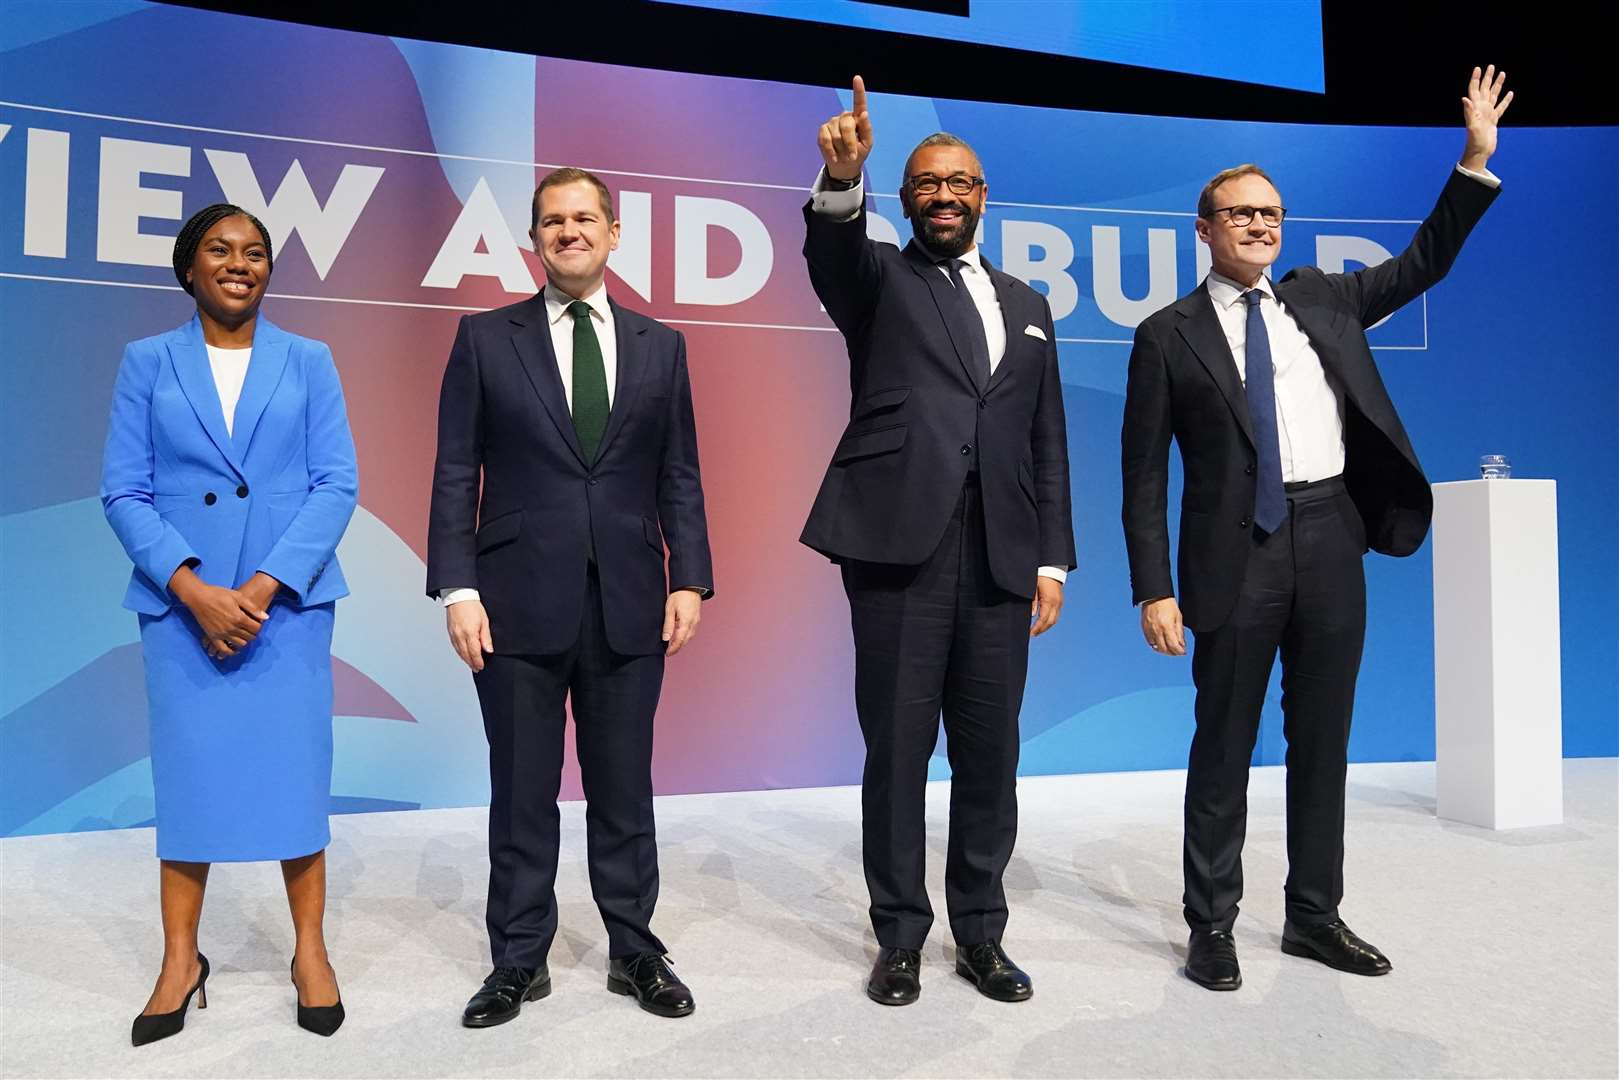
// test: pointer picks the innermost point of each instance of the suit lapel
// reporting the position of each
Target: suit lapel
(1005, 294)
(1325, 344)
(189, 354)
(271, 345)
(945, 300)
(1200, 328)
(630, 341)
(532, 340)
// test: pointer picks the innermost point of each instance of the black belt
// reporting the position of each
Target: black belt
(1309, 490)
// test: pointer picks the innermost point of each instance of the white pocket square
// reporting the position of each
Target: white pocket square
(1034, 331)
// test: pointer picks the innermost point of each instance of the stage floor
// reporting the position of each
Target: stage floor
(1505, 949)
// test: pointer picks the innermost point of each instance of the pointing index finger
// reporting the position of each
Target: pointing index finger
(859, 106)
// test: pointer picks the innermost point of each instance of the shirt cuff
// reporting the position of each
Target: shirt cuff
(703, 593)
(838, 205)
(1483, 176)
(456, 596)
(1055, 573)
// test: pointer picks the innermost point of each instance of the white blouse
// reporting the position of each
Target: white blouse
(230, 371)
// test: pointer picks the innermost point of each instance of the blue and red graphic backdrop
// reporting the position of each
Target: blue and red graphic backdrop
(396, 177)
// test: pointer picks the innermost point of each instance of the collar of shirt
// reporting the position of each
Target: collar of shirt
(1227, 293)
(557, 301)
(970, 257)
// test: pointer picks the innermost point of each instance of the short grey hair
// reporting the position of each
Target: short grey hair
(938, 138)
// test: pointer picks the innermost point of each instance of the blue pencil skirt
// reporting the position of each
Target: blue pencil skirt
(241, 748)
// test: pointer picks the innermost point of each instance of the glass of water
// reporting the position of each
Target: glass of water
(1494, 467)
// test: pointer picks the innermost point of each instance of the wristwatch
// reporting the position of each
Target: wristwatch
(832, 183)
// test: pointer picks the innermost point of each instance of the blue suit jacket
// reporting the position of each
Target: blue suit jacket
(274, 496)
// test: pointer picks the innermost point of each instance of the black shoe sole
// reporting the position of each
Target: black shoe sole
(1215, 986)
(882, 1000)
(966, 973)
(1293, 948)
(146, 1036)
(535, 993)
(627, 989)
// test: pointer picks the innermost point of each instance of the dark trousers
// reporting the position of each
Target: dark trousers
(1304, 594)
(614, 698)
(940, 637)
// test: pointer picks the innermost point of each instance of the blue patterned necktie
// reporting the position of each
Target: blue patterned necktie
(1270, 498)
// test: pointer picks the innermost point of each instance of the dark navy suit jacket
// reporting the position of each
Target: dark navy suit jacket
(1183, 385)
(918, 420)
(517, 512)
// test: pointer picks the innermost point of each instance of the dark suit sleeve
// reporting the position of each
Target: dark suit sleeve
(1145, 440)
(843, 268)
(1048, 445)
(1379, 291)
(452, 548)
(680, 489)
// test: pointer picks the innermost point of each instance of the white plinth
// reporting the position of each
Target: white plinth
(1497, 656)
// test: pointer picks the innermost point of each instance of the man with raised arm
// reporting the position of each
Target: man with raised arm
(1296, 463)
(946, 503)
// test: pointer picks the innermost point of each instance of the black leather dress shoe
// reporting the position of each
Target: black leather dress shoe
(896, 977)
(987, 967)
(1336, 946)
(1211, 960)
(655, 986)
(503, 994)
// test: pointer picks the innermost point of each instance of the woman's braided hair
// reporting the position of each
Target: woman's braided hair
(191, 234)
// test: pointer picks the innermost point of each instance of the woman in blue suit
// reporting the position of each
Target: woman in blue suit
(229, 477)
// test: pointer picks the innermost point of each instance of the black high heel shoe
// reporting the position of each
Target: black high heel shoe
(321, 1019)
(147, 1029)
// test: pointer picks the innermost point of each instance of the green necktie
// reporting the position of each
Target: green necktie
(589, 382)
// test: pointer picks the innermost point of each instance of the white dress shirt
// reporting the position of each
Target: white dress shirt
(1309, 403)
(230, 372)
(844, 205)
(561, 323)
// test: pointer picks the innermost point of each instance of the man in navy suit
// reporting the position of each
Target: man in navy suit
(1296, 464)
(947, 505)
(574, 417)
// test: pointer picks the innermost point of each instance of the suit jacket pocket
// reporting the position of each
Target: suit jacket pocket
(284, 507)
(167, 504)
(1025, 480)
(883, 399)
(865, 444)
(502, 530)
